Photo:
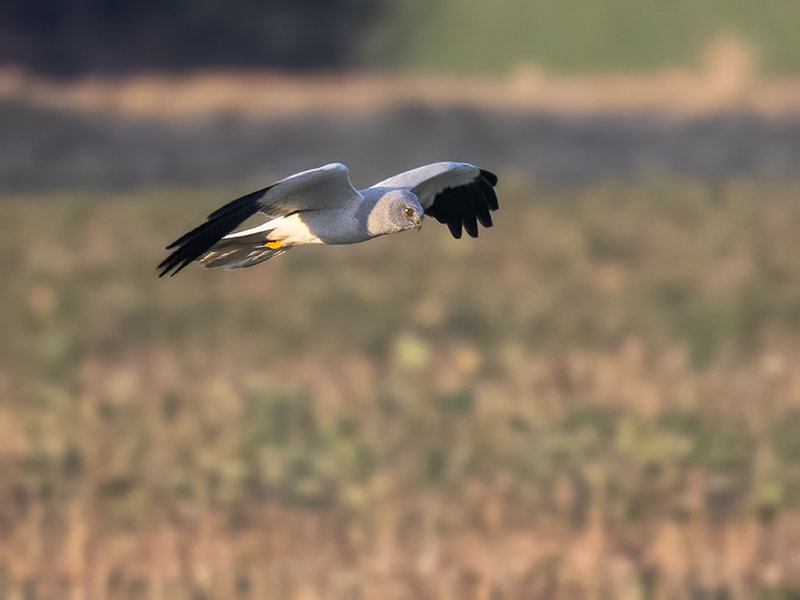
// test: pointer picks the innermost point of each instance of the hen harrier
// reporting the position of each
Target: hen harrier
(321, 206)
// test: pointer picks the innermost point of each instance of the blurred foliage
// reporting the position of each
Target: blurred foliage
(81, 36)
(600, 393)
(469, 36)
(68, 38)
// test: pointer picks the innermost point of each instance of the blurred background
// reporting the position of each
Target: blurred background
(598, 398)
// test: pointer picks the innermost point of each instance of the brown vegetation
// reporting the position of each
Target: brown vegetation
(727, 79)
(600, 397)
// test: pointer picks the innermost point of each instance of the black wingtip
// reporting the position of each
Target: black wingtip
(489, 176)
(469, 216)
(463, 207)
(455, 229)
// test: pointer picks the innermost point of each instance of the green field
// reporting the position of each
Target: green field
(629, 35)
(599, 397)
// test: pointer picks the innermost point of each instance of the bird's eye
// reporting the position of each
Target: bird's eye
(408, 211)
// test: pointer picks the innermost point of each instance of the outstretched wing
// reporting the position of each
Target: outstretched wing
(453, 193)
(316, 189)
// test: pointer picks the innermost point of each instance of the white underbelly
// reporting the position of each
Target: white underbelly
(293, 230)
(321, 227)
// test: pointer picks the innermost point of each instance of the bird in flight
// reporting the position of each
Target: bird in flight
(320, 206)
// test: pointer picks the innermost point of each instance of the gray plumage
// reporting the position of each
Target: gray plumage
(321, 206)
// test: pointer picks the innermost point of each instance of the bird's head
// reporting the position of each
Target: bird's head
(395, 210)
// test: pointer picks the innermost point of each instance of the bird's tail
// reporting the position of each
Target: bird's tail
(200, 240)
(235, 254)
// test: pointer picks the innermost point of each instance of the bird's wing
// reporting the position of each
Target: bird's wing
(453, 193)
(316, 189)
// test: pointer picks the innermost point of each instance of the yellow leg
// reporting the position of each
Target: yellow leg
(273, 245)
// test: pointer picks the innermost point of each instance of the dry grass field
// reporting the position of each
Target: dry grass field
(599, 398)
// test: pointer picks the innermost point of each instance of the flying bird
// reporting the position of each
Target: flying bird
(320, 206)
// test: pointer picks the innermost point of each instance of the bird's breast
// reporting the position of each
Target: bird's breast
(320, 227)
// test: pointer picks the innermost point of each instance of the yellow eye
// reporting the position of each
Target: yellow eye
(409, 211)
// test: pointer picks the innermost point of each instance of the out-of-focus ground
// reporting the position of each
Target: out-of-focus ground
(599, 397)
(721, 118)
(725, 78)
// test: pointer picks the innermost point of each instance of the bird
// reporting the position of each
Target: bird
(321, 206)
